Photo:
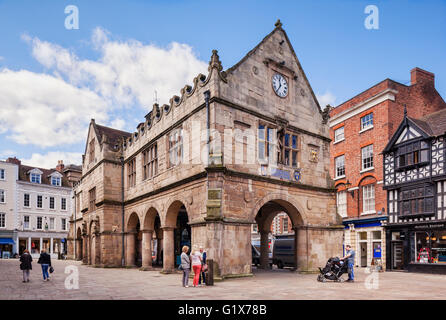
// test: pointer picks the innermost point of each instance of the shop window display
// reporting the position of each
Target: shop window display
(430, 247)
(438, 242)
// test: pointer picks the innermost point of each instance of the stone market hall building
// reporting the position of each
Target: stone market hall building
(144, 195)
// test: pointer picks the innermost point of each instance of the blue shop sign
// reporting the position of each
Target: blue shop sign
(377, 253)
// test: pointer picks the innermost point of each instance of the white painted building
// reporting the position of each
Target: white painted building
(8, 209)
(43, 206)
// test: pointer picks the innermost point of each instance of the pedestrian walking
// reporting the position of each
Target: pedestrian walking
(45, 261)
(196, 265)
(204, 267)
(185, 266)
(350, 256)
(25, 265)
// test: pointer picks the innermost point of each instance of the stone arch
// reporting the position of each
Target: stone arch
(148, 222)
(132, 221)
(291, 206)
(171, 214)
(94, 242)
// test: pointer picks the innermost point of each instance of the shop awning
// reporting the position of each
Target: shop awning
(6, 241)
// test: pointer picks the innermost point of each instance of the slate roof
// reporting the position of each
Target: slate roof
(433, 124)
(24, 175)
(113, 135)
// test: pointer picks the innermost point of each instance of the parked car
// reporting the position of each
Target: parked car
(284, 252)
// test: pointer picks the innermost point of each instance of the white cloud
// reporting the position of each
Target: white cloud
(7, 153)
(326, 98)
(54, 108)
(49, 160)
(46, 111)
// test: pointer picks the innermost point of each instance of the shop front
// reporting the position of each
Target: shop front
(367, 237)
(417, 247)
(8, 244)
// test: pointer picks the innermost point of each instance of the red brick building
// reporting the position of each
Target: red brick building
(360, 128)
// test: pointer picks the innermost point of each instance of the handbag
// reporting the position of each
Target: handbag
(204, 267)
(51, 269)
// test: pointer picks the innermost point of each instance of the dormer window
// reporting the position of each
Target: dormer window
(35, 178)
(412, 154)
(56, 181)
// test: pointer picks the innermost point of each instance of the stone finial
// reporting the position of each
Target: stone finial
(215, 62)
(278, 24)
(326, 113)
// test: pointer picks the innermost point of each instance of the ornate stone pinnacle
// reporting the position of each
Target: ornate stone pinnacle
(278, 24)
(215, 62)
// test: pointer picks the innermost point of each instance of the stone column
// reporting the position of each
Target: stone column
(264, 257)
(130, 249)
(51, 245)
(84, 250)
(147, 249)
(168, 250)
(41, 244)
(79, 246)
(29, 245)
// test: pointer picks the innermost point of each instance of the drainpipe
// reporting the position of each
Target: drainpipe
(207, 95)
(75, 229)
(122, 206)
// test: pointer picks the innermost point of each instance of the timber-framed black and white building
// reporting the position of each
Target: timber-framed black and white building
(415, 180)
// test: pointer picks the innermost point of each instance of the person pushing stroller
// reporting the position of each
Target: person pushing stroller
(350, 256)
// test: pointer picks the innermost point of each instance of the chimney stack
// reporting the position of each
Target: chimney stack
(418, 76)
(60, 165)
(14, 160)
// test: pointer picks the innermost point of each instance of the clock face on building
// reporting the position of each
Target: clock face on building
(280, 85)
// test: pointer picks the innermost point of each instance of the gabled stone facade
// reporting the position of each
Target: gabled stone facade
(213, 196)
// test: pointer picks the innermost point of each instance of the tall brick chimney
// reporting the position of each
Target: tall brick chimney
(418, 76)
(14, 160)
(60, 165)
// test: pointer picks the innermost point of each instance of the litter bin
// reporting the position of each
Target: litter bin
(210, 272)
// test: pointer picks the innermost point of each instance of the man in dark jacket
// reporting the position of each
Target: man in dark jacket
(25, 265)
(45, 261)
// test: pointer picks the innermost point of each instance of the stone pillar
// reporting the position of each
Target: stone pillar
(130, 249)
(147, 249)
(79, 246)
(264, 257)
(51, 245)
(41, 244)
(168, 250)
(84, 250)
(29, 245)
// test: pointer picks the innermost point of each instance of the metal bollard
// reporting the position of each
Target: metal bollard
(210, 272)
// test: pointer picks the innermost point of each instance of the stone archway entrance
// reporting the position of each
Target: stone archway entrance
(176, 234)
(133, 242)
(94, 243)
(281, 251)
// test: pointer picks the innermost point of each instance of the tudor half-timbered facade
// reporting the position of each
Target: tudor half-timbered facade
(415, 181)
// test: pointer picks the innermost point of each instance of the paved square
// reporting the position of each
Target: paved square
(99, 283)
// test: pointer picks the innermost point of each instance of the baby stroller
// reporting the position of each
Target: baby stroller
(333, 270)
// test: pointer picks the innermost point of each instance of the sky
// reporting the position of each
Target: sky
(54, 79)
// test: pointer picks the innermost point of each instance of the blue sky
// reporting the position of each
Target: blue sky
(339, 55)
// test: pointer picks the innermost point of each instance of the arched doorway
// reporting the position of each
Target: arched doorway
(176, 234)
(94, 243)
(133, 242)
(79, 244)
(276, 247)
